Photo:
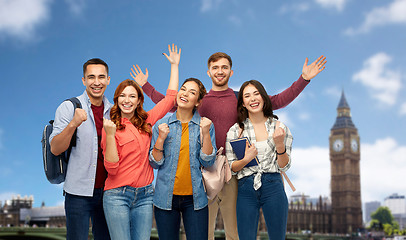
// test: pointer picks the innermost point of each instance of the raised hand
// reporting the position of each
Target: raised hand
(139, 76)
(279, 136)
(163, 131)
(174, 55)
(310, 71)
(79, 117)
(109, 127)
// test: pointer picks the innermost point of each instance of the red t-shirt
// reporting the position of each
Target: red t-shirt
(101, 173)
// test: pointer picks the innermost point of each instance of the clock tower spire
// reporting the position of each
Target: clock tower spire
(345, 172)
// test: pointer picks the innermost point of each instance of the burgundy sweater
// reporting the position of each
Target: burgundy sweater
(221, 106)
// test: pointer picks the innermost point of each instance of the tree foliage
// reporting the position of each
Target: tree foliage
(383, 215)
(382, 220)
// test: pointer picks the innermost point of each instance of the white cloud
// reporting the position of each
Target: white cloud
(336, 4)
(76, 6)
(208, 5)
(383, 164)
(395, 13)
(20, 18)
(235, 20)
(382, 170)
(310, 171)
(284, 117)
(383, 83)
(305, 6)
(304, 116)
(235, 88)
(334, 92)
(403, 109)
(6, 196)
(300, 7)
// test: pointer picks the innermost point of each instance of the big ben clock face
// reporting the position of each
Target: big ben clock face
(338, 145)
(354, 145)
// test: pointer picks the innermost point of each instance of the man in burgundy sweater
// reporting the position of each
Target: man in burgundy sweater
(220, 106)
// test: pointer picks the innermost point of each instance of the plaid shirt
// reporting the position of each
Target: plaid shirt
(267, 165)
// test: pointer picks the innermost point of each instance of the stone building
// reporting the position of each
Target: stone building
(345, 172)
(10, 211)
(19, 212)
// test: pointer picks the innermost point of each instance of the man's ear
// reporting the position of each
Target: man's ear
(208, 73)
(231, 73)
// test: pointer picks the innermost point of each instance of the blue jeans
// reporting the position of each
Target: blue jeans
(271, 197)
(78, 210)
(129, 212)
(195, 221)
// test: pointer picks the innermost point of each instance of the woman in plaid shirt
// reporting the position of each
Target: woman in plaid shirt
(260, 186)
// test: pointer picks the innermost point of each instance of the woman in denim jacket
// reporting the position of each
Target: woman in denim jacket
(178, 154)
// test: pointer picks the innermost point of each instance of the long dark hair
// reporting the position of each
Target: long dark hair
(140, 115)
(242, 112)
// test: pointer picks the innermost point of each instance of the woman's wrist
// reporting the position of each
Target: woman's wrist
(281, 152)
(158, 149)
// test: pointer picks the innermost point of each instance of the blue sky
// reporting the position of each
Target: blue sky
(43, 44)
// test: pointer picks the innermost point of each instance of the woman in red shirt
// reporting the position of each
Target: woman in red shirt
(126, 138)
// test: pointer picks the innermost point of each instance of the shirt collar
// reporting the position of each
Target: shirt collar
(195, 119)
(107, 104)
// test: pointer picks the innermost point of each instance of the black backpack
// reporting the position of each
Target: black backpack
(55, 166)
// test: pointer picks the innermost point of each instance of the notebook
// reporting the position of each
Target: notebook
(238, 146)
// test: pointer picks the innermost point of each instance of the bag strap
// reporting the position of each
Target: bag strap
(236, 94)
(283, 174)
(76, 104)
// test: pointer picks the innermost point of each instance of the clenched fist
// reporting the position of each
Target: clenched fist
(205, 125)
(163, 131)
(109, 127)
(79, 117)
(279, 135)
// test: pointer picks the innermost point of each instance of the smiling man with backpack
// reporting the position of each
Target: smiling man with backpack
(85, 176)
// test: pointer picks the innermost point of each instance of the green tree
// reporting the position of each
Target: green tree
(382, 219)
(388, 229)
(376, 225)
(383, 215)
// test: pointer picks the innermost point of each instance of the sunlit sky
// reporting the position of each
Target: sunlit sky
(44, 43)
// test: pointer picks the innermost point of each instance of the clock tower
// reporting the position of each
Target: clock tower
(345, 172)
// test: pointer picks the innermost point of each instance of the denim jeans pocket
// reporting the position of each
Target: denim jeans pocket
(242, 181)
(149, 191)
(272, 177)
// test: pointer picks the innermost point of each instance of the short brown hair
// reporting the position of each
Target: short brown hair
(95, 61)
(217, 56)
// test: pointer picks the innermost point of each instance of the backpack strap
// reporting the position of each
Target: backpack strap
(76, 104)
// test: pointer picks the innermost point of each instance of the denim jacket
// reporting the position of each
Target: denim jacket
(168, 165)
